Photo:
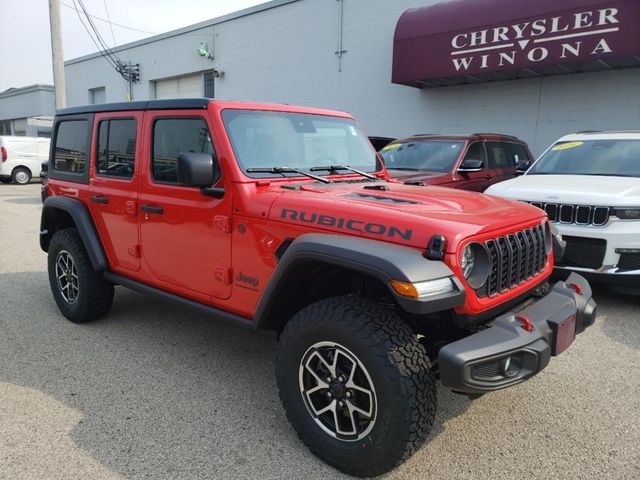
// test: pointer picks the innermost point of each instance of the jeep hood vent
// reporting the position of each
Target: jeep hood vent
(381, 199)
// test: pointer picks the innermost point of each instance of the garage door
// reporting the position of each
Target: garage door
(187, 86)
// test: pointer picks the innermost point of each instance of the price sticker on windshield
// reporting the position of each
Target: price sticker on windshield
(392, 146)
(566, 146)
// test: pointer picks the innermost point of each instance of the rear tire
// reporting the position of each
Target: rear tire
(392, 421)
(81, 293)
(21, 176)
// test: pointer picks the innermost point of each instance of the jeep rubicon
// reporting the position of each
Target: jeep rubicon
(282, 219)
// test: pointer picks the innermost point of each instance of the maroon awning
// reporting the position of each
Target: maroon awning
(465, 41)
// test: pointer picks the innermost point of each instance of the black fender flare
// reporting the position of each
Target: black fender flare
(82, 220)
(382, 260)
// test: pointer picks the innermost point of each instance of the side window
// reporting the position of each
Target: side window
(116, 148)
(476, 151)
(518, 152)
(499, 155)
(173, 136)
(70, 154)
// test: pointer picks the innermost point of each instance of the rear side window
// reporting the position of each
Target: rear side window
(518, 152)
(116, 148)
(173, 136)
(70, 153)
(499, 155)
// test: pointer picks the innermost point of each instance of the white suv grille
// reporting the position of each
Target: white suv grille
(576, 214)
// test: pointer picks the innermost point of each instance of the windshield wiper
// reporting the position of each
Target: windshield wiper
(283, 170)
(403, 168)
(335, 168)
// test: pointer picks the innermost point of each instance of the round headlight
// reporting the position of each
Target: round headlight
(475, 264)
(468, 261)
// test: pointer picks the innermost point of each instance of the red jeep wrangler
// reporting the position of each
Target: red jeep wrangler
(281, 219)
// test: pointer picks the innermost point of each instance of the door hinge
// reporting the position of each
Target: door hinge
(223, 274)
(222, 223)
(134, 251)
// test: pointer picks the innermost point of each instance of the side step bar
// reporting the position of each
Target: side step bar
(149, 290)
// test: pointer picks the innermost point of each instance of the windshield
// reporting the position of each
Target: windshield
(262, 139)
(591, 157)
(433, 155)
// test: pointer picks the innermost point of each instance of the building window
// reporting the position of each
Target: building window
(70, 153)
(173, 136)
(209, 80)
(20, 127)
(116, 148)
(97, 95)
(5, 127)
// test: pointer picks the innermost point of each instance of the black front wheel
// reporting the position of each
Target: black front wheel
(81, 293)
(356, 385)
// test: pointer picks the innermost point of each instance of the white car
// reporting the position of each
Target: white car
(21, 158)
(589, 185)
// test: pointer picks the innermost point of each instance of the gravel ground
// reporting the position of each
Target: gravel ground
(156, 391)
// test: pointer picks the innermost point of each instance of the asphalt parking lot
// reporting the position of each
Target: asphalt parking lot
(156, 391)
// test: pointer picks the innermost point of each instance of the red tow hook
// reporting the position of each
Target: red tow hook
(526, 323)
(576, 287)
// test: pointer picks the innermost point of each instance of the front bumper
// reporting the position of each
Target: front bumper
(507, 353)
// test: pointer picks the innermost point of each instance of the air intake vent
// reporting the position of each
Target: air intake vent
(381, 199)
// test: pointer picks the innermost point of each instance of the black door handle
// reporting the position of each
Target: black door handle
(152, 209)
(488, 177)
(99, 199)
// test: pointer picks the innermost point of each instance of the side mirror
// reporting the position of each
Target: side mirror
(471, 165)
(197, 170)
(522, 166)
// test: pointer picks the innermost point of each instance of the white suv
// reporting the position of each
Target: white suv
(589, 185)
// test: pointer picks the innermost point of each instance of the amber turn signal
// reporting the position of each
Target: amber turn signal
(405, 289)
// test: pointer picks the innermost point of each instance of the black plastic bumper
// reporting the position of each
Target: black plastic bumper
(520, 344)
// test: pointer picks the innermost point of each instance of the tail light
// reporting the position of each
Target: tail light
(3, 151)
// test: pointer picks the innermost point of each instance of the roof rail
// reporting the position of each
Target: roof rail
(497, 134)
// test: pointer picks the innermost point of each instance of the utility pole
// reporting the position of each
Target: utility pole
(56, 53)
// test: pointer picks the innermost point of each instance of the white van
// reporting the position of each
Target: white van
(21, 158)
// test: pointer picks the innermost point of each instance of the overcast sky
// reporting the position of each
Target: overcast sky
(25, 44)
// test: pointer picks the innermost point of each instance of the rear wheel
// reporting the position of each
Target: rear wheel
(356, 385)
(81, 293)
(21, 176)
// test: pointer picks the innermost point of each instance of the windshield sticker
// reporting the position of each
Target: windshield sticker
(393, 145)
(566, 146)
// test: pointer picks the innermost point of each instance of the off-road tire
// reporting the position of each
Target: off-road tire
(399, 369)
(21, 176)
(95, 294)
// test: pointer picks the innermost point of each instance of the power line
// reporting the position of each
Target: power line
(109, 60)
(112, 23)
(109, 20)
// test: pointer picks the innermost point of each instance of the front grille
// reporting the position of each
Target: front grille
(515, 258)
(629, 261)
(583, 252)
(578, 214)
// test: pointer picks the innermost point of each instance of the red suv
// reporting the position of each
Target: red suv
(470, 162)
(282, 220)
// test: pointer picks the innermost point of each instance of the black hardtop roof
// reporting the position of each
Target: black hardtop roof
(169, 104)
